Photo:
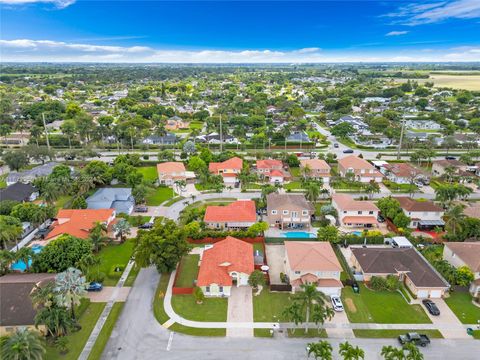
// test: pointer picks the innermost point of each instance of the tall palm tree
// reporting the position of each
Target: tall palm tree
(6, 259)
(43, 295)
(413, 352)
(307, 297)
(454, 217)
(55, 319)
(22, 345)
(10, 230)
(122, 229)
(312, 191)
(372, 188)
(98, 235)
(321, 313)
(321, 350)
(51, 192)
(25, 255)
(293, 313)
(349, 352)
(392, 353)
(70, 287)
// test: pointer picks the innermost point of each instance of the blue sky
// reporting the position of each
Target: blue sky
(234, 31)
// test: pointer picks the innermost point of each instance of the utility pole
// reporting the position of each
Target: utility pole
(401, 139)
(46, 132)
(221, 134)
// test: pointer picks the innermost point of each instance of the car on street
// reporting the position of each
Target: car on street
(147, 225)
(414, 338)
(335, 145)
(450, 158)
(431, 307)
(94, 286)
(337, 303)
(348, 151)
(141, 208)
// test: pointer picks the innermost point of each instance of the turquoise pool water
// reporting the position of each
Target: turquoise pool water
(20, 265)
(358, 233)
(298, 235)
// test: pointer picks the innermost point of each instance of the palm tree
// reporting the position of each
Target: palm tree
(70, 287)
(320, 350)
(312, 191)
(306, 171)
(22, 345)
(293, 313)
(6, 259)
(10, 230)
(26, 255)
(348, 352)
(87, 262)
(122, 229)
(55, 319)
(51, 192)
(84, 183)
(454, 217)
(98, 235)
(42, 295)
(392, 353)
(372, 188)
(286, 130)
(321, 313)
(413, 352)
(307, 297)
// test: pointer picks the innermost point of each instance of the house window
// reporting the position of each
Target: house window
(304, 212)
(220, 288)
(274, 212)
(285, 212)
(370, 212)
(344, 212)
(207, 289)
(359, 213)
(297, 272)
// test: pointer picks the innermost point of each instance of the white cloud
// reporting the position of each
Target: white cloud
(61, 4)
(27, 50)
(413, 14)
(396, 33)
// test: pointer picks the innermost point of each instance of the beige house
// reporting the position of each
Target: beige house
(405, 263)
(313, 262)
(466, 254)
(176, 123)
(16, 308)
(424, 215)
(439, 166)
(289, 211)
(169, 172)
(360, 169)
(315, 169)
(353, 213)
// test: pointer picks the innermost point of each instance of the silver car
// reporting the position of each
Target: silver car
(337, 303)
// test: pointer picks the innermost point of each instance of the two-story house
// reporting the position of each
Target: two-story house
(228, 169)
(272, 170)
(169, 172)
(439, 167)
(424, 215)
(353, 213)
(360, 169)
(289, 211)
(466, 254)
(403, 173)
(313, 262)
(240, 214)
(315, 169)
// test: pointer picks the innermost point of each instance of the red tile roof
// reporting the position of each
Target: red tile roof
(234, 163)
(311, 256)
(238, 211)
(170, 167)
(269, 164)
(223, 258)
(78, 222)
(346, 202)
(277, 173)
(359, 220)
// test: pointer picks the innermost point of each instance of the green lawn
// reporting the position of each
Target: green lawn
(113, 255)
(268, 306)
(88, 314)
(345, 185)
(461, 305)
(174, 200)
(293, 185)
(189, 271)
(156, 196)
(381, 307)
(149, 173)
(158, 310)
(196, 125)
(62, 201)
(258, 246)
(401, 188)
(262, 333)
(3, 181)
(132, 275)
(476, 334)
(391, 334)
(295, 171)
(212, 309)
(107, 329)
(311, 333)
(197, 331)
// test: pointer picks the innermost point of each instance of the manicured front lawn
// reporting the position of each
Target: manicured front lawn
(88, 314)
(461, 305)
(262, 333)
(295, 171)
(132, 275)
(269, 306)
(311, 333)
(197, 331)
(401, 188)
(107, 329)
(476, 334)
(158, 310)
(158, 195)
(391, 334)
(149, 173)
(381, 307)
(188, 271)
(112, 256)
(345, 185)
(3, 181)
(293, 185)
(212, 309)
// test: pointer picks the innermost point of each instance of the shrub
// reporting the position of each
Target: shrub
(256, 278)
(198, 294)
(116, 270)
(378, 283)
(283, 278)
(392, 283)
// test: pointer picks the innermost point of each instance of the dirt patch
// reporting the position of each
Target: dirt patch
(351, 305)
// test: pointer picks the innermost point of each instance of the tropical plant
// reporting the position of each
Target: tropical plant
(349, 352)
(256, 279)
(312, 191)
(293, 313)
(56, 320)
(25, 254)
(198, 294)
(70, 287)
(10, 230)
(307, 298)
(98, 236)
(321, 350)
(22, 345)
(372, 188)
(390, 352)
(122, 229)
(453, 218)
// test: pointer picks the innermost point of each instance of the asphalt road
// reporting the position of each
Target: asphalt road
(137, 335)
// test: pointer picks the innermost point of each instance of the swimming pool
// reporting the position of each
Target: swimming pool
(358, 233)
(20, 264)
(299, 235)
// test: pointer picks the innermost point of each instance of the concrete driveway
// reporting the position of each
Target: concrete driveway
(340, 333)
(240, 309)
(106, 294)
(275, 257)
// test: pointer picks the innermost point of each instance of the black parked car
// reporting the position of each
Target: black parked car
(148, 225)
(431, 307)
(450, 158)
(348, 151)
(380, 219)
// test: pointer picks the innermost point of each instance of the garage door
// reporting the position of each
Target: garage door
(436, 294)
(330, 291)
(422, 294)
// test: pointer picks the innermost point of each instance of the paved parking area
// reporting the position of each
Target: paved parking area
(275, 258)
(106, 294)
(340, 318)
(240, 309)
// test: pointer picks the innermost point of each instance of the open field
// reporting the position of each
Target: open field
(467, 82)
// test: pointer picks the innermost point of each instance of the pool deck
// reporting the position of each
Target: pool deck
(277, 233)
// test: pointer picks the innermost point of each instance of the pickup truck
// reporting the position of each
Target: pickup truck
(414, 338)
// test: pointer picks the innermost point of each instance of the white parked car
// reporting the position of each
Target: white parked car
(337, 303)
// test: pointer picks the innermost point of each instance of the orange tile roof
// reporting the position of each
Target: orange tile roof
(78, 222)
(238, 211)
(234, 163)
(170, 167)
(359, 220)
(311, 256)
(277, 173)
(269, 164)
(315, 164)
(224, 257)
(358, 164)
(348, 203)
